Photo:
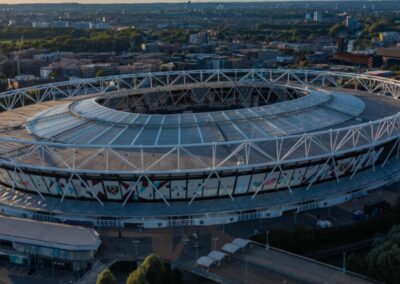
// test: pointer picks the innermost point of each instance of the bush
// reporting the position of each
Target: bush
(106, 277)
(384, 259)
(356, 264)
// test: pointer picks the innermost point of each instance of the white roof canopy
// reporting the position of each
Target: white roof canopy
(242, 243)
(230, 248)
(205, 261)
(217, 255)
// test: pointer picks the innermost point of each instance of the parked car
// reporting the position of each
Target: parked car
(323, 224)
(376, 208)
(359, 215)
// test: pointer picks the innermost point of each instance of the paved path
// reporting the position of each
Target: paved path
(257, 266)
(296, 267)
(91, 275)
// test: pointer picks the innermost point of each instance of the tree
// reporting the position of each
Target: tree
(54, 74)
(154, 268)
(336, 29)
(384, 259)
(356, 264)
(106, 277)
(3, 82)
(153, 271)
(138, 276)
(100, 73)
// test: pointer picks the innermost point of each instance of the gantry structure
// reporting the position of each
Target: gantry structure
(164, 146)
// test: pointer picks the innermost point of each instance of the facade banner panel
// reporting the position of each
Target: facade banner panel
(298, 176)
(126, 187)
(310, 174)
(96, 189)
(195, 187)
(270, 181)
(112, 190)
(39, 183)
(284, 179)
(5, 177)
(211, 188)
(53, 185)
(145, 190)
(227, 186)
(242, 184)
(256, 182)
(24, 181)
(163, 188)
(178, 189)
(345, 166)
(67, 188)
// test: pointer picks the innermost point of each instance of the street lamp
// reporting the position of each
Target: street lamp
(246, 271)
(215, 242)
(344, 262)
(136, 242)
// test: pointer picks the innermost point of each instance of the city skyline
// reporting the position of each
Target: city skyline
(10, 2)
(120, 1)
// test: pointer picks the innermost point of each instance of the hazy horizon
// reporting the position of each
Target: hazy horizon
(136, 1)
(124, 1)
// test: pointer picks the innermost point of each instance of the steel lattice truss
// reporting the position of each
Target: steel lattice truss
(211, 158)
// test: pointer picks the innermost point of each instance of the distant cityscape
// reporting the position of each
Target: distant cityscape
(192, 143)
(41, 43)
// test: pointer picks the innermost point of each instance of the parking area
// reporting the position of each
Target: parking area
(339, 215)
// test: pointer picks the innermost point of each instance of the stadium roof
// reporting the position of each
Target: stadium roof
(88, 122)
(68, 129)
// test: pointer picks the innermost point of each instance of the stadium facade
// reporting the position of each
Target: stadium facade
(196, 147)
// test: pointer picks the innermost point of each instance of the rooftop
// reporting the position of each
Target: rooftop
(86, 125)
(77, 122)
(48, 234)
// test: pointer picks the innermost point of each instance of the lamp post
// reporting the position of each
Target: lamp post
(136, 242)
(215, 242)
(344, 262)
(246, 268)
(267, 240)
(185, 241)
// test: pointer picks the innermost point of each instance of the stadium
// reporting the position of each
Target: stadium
(196, 147)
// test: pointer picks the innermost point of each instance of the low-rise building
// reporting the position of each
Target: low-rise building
(31, 66)
(47, 245)
(91, 70)
(389, 38)
(199, 38)
(390, 55)
(99, 26)
(352, 24)
(285, 59)
(158, 47)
